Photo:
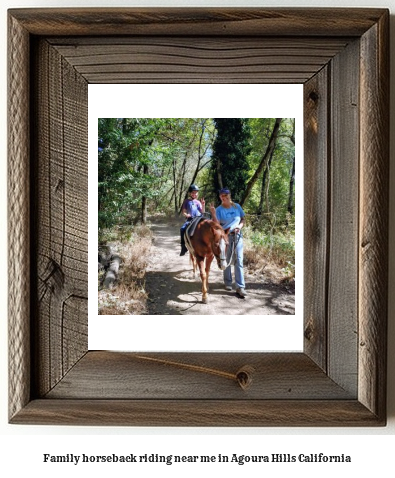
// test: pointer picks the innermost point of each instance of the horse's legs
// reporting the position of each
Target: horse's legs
(193, 259)
(200, 261)
(204, 267)
(209, 260)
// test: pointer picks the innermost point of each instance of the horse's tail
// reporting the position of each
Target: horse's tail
(188, 243)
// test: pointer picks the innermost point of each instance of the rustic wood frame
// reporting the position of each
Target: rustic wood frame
(342, 57)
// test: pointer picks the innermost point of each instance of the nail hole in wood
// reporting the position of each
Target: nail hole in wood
(313, 96)
(244, 376)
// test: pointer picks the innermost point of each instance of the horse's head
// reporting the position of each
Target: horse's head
(220, 245)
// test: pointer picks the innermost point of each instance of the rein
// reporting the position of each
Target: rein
(235, 242)
(191, 249)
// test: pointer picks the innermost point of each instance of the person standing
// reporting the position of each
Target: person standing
(191, 208)
(231, 216)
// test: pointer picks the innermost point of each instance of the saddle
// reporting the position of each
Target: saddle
(191, 229)
(192, 225)
(195, 221)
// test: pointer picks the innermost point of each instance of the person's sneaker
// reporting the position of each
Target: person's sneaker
(228, 287)
(241, 292)
(184, 250)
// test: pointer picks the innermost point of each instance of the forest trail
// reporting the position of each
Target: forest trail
(173, 290)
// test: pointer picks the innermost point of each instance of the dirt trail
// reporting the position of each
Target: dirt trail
(173, 290)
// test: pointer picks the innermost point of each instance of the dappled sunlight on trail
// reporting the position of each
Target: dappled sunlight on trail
(173, 290)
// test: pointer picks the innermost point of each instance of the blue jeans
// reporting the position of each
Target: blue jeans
(237, 260)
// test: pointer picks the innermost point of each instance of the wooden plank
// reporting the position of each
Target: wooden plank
(200, 21)
(105, 54)
(74, 331)
(277, 77)
(201, 413)
(18, 218)
(251, 53)
(174, 59)
(62, 208)
(202, 47)
(344, 216)
(202, 44)
(40, 149)
(183, 376)
(148, 63)
(373, 245)
(316, 215)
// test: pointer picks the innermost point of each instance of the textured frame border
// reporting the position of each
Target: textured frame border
(333, 406)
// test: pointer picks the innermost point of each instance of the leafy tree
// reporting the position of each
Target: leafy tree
(230, 151)
(127, 168)
(265, 160)
(147, 164)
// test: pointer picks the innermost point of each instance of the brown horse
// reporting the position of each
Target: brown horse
(209, 240)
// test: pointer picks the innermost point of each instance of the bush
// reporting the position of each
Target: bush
(128, 297)
(273, 253)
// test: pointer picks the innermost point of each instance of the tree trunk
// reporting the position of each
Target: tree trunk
(265, 185)
(175, 186)
(291, 205)
(264, 161)
(219, 174)
(144, 201)
(201, 154)
(182, 182)
(112, 272)
(263, 189)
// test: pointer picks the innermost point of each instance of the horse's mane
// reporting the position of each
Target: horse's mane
(214, 225)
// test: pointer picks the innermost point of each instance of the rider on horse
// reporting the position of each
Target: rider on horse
(191, 208)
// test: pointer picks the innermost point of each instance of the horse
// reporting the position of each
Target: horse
(209, 240)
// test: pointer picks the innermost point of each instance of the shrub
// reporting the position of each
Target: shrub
(273, 253)
(128, 297)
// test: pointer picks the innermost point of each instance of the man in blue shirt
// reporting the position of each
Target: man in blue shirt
(231, 215)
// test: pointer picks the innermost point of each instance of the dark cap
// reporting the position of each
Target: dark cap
(224, 191)
(193, 187)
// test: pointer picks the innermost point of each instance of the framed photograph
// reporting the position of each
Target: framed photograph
(341, 59)
(152, 266)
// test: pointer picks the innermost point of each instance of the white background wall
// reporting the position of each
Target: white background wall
(22, 447)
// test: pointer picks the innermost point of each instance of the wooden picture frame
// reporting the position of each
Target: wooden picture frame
(342, 58)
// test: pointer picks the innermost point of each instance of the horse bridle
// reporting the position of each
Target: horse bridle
(234, 244)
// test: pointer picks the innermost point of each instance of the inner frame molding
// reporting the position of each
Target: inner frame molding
(342, 58)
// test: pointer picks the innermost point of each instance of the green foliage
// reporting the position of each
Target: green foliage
(150, 162)
(122, 154)
(280, 167)
(132, 159)
(230, 151)
(285, 242)
(270, 246)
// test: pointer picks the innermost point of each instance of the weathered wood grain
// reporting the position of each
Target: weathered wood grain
(283, 376)
(306, 22)
(316, 214)
(373, 227)
(201, 413)
(343, 223)
(61, 199)
(164, 59)
(348, 303)
(18, 217)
